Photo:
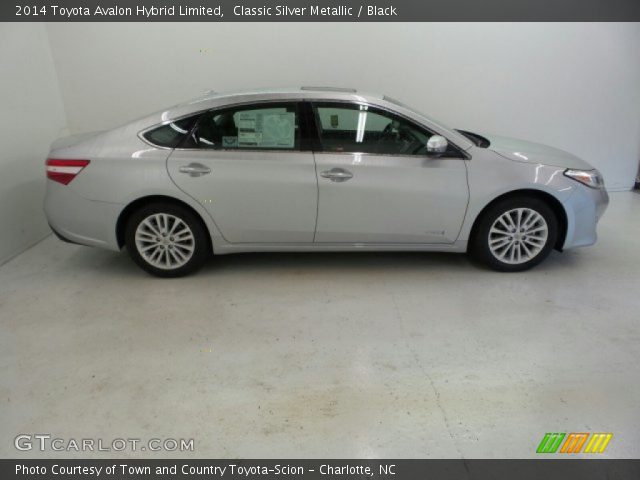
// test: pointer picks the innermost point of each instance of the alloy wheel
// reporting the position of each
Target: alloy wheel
(518, 235)
(164, 241)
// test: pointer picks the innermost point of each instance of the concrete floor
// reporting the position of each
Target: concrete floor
(326, 355)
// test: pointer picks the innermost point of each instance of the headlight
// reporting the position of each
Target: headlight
(590, 178)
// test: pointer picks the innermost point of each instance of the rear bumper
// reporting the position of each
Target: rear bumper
(61, 237)
(76, 219)
(584, 208)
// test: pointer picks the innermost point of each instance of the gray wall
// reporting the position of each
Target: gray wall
(32, 116)
(574, 86)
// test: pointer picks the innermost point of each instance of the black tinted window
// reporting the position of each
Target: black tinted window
(171, 134)
(267, 126)
(479, 140)
(360, 128)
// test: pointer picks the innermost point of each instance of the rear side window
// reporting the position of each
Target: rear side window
(171, 134)
(250, 127)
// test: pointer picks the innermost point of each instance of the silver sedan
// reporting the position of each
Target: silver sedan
(315, 169)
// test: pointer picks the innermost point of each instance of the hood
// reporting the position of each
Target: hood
(72, 140)
(529, 152)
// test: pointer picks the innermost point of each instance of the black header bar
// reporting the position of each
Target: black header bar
(320, 10)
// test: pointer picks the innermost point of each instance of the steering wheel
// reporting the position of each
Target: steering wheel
(408, 142)
(403, 137)
(388, 130)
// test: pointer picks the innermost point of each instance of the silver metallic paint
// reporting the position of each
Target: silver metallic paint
(268, 201)
(254, 196)
(403, 200)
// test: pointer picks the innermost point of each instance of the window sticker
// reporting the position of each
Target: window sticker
(266, 129)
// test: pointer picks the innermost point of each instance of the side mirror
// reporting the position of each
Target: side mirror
(436, 145)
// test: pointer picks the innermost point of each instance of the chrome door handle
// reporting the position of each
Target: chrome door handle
(337, 174)
(195, 169)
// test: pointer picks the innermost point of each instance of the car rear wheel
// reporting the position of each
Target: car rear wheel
(166, 240)
(515, 234)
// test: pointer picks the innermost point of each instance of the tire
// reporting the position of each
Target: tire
(497, 245)
(166, 240)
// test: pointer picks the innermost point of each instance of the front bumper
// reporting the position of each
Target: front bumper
(584, 208)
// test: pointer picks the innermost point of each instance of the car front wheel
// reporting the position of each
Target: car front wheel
(515, 234)
(166, 240)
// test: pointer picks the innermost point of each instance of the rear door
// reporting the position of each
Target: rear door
(376, 183)
(247, 167)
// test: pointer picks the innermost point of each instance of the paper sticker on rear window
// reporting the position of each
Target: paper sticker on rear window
(266, 129)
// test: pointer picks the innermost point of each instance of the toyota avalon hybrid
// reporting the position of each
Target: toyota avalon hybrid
(315, 169)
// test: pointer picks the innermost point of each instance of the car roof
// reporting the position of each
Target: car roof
(213, 99)
(285, 91)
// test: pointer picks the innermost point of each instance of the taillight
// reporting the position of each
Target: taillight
(63, 171)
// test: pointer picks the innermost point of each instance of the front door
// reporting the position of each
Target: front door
(378, 186)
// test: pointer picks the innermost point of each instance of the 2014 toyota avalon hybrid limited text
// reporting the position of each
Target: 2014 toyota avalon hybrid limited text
(315, 169)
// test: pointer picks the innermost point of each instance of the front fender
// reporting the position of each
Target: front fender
(492, 176)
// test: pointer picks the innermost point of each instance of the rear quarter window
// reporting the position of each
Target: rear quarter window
(171, 134)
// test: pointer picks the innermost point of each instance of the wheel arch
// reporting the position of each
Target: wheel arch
(546, 197)
(141, 202)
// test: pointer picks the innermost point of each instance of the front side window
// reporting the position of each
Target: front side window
(263, 127)
(365, 129)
